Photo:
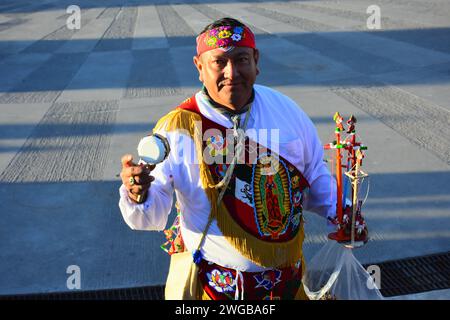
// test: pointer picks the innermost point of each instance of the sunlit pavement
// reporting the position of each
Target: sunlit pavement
(73, 101)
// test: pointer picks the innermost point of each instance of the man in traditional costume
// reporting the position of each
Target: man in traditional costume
(252, 247)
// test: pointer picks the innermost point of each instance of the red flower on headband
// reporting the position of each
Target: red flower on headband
(223, 42)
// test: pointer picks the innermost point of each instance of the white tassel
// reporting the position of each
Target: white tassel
(240, 277)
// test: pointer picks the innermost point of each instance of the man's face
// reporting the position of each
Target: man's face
(228, 75)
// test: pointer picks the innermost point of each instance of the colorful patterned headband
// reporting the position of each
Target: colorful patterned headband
(225, 36)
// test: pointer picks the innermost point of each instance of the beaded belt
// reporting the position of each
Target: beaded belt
(220, 283)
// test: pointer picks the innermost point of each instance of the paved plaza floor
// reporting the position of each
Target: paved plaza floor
(73, 101)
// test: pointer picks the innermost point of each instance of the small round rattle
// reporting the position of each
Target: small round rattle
(153, 149)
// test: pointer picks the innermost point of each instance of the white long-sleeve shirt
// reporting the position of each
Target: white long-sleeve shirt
(297, 142)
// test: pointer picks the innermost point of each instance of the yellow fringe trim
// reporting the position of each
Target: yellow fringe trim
(204, 295)
(301, 294)
(263, 253)
(188, 121)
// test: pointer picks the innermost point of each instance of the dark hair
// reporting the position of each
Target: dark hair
(222, 23)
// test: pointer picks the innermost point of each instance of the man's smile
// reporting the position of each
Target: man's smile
(230, 84)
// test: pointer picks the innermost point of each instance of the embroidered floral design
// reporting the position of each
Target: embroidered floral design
(217, 145)
(238, 30)
(214, 32)
(211, 41)
(295, 220)
(223, 42)
(174, 243)
(297, 198)
(295, 181)
(221, 281)
(224, 36)
(268, 279)
(221, 169)
(236, 37)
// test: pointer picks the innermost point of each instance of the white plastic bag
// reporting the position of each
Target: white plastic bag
(335, 273)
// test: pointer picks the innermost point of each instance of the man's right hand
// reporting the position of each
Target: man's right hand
(136, 178)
